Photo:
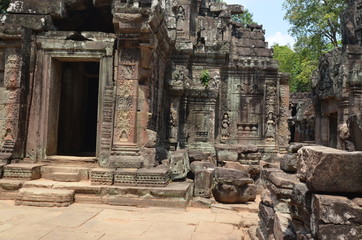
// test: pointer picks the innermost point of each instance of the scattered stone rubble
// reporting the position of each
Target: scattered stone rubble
(318, 196)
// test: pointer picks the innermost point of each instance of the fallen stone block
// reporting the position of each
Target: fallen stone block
(283, 180)
(203, 183)
(201, 165)
(196, 155)
(337, 210)
(289, 163)
(180, 164)
(226, 193)
(55, 8)
(330, 170)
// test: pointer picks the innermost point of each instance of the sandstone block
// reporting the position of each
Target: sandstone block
(55, 8)
(22, 171)
(330, 170)
(283, 180)
(232, 176)
(226, 193)
(198, 166)
(203, 183)
(102, 176)
(180, 164)
(45, 197)
(66, 177)
(337, 210)
(289, 163)
(196, 155)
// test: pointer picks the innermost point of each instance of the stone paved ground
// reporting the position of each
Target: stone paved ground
(105, 222)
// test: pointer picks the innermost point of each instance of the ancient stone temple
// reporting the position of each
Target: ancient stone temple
(133, 95)
(116, 79)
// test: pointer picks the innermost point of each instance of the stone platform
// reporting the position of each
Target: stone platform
(175, 194)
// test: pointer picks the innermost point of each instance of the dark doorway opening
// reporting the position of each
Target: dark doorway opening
(77, 125)
(333, 126)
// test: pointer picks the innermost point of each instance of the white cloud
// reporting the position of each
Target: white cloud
(280, 39)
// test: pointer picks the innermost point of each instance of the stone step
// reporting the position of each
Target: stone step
(65, 173)
(25, 171)
(175, 194)
(60, 159)
(66, 177)
(45, 197)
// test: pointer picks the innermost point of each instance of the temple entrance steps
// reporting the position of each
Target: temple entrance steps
(42, 185)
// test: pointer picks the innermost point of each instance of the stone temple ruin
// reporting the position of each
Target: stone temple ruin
(155, 102)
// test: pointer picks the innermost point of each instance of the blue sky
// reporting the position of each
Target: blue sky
(270, 14)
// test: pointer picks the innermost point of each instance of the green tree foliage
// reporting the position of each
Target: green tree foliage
(315, 22)
(316, 26)
(298, 64)
(4, 5)
(246, 17)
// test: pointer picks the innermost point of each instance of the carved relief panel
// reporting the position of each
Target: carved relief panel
(126, 96)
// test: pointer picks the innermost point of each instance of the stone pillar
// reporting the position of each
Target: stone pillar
(126, 97)
(284, 113)
(125, 151)
(270, 111)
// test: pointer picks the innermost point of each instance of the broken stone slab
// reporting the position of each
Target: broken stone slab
(330, 231)
(232, 177)
(336, 210)
(55, 8)
(180, 164)
(289, 163)
(283, 180)
(196, 155)
(203, 183)
(45, 197)
(201, 165)
(283, 227)
(102, 176)
(294, 147)
(226, 193)
(23, 171)
(330, 170)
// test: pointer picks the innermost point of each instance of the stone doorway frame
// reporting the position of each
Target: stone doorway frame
(62, 50)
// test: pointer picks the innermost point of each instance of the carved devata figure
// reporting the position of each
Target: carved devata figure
(225, 123)
(173, 124)
(270, 102)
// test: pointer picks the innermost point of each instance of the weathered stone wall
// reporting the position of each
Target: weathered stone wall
(152, 56)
